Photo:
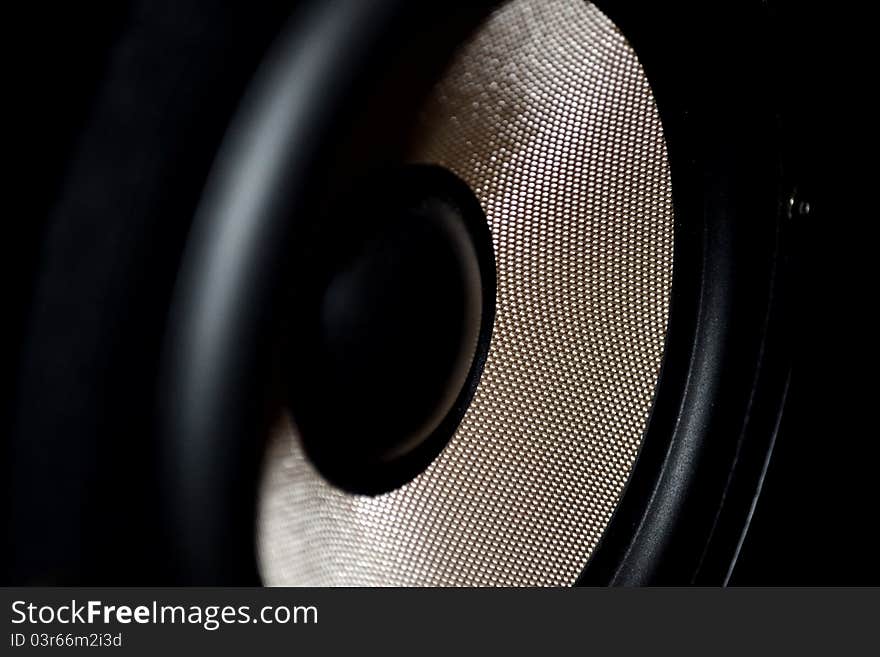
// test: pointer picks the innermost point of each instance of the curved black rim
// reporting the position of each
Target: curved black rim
(299, 119)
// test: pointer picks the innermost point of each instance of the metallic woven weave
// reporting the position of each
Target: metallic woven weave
(548, 115)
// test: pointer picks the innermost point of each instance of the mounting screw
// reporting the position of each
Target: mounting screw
(798, 207)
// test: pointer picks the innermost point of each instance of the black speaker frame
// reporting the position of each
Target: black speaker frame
(722, 384)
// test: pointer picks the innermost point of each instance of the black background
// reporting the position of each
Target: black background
(815, 522)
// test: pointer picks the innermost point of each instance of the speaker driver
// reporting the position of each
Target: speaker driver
(548, 116)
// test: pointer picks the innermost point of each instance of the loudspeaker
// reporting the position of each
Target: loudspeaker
(410, 294)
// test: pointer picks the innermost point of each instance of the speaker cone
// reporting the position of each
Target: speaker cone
(549, 117)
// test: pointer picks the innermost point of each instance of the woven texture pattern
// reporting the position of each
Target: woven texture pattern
(547, 114)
